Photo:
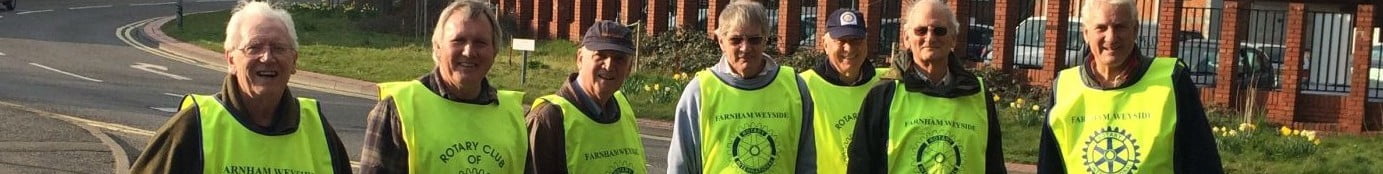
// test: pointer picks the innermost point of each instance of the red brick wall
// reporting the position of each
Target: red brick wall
(542, 19)
(789, 31)
(656, 15)
(584, 16)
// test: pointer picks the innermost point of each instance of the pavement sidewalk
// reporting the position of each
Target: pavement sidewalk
(31, 142)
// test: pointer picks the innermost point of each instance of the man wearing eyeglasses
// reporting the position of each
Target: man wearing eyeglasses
(254, 124)
(746, 114)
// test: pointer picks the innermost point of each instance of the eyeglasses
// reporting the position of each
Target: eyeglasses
(750, 39)
(270, 49)
(935, 31)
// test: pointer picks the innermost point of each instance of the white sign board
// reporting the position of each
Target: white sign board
(524, 44)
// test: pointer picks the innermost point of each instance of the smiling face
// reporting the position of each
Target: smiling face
(602, 72)
(845, 54)
(264, 57)
(465, 51)
(929, 34)
(1110, 31)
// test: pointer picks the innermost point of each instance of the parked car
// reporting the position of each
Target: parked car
(1253, 66)
(1027, 52)
(978, 37)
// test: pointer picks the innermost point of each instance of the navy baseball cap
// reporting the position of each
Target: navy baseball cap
(607, 35)
(845, 23)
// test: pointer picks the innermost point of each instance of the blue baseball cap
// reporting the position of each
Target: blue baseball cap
(845, 23)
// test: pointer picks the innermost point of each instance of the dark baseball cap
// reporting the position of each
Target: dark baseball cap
(607, 35)
(845, 23)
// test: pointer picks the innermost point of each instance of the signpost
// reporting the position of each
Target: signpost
(525, 45)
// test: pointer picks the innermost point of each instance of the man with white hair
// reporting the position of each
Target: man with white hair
(935, 118)
(451, 120)
(745, 114)
(1122, 112)
(254, 124)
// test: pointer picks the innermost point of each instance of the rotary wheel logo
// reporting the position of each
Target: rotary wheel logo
(622, 170)
(754, 150)
(622, 167)
(1111, 150)
(939, 154)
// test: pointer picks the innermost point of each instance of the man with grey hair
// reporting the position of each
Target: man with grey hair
(1122, 112)
(935, 118)
(745, 114)
(254, 124)
(451, 120)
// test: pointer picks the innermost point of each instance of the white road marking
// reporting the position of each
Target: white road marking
(27, 12)
(173, 95)
(65, 72)
(89, 7)
(214, 0)
(655, 137)
(163, 109)
(2, 54)
(156, 69)
(148, 4)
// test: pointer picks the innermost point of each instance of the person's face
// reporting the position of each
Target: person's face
(1110, 32)
(465, 52)
(929, 35)
(264, 58)
(845, 54)
(744, 44)
(602, 72)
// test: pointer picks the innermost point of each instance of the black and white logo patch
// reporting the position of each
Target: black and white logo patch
(754, 150)
(1111, 150)
(938, 154)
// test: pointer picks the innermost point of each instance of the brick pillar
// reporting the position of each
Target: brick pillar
(1229, 47)
(962, 10)
(524, 16)
(562, 13)
(713, 12)
(610, 9)
(1352, 118)
(542, 19)
(686, 12)
(1291, 65)
(789, 25)
(823, 11)
(1169, 22)
(1053, 52)
(873, 16)
(657, 17)
(1004, 33)
(584, 16)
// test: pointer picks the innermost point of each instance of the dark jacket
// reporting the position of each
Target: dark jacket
(869, 151)
(1193, 150)
(547, 151)
(383, 148)
(177, 148)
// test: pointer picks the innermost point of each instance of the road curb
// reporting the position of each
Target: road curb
(118, 154)
(122, 160)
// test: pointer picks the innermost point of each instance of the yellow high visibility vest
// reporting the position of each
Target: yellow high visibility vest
(594, 147)
(937, 135)
(834, 115)
(444, 136)
(230, 147)
(750, 131)
(1129, 130)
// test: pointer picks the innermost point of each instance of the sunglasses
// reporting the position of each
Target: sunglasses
(935, 31)
(751, 40)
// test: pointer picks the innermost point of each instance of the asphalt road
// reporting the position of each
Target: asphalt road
(64, 56)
